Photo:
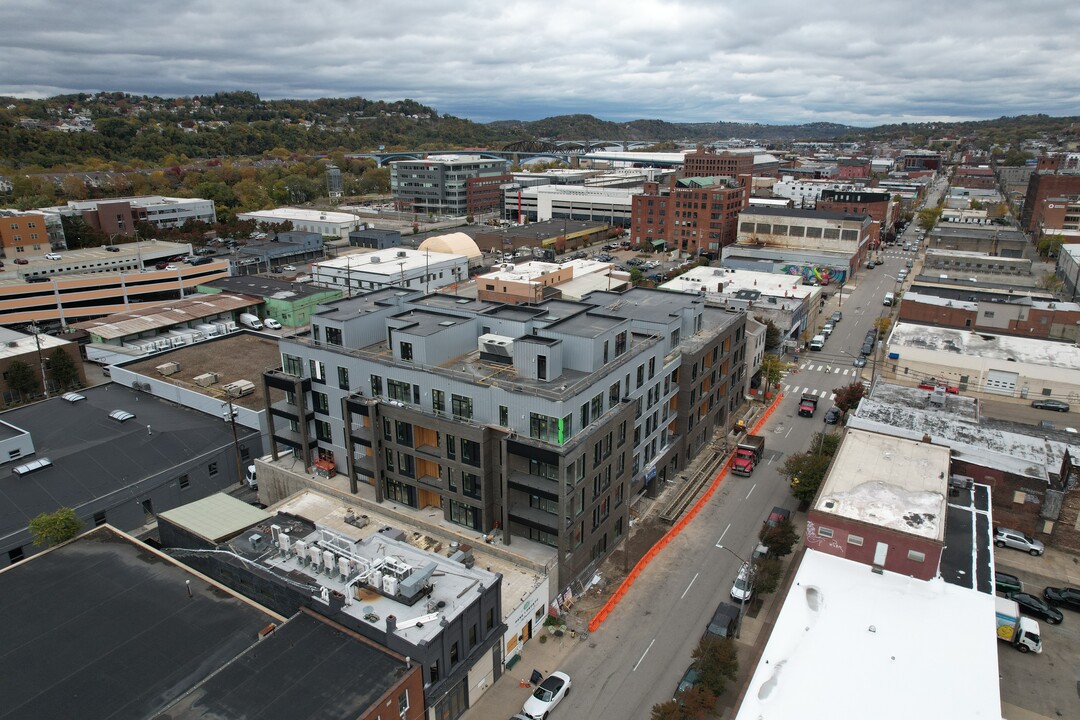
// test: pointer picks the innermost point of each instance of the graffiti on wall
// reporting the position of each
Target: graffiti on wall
(823, 275)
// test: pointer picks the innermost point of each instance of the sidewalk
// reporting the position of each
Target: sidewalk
(1059, 567)
(506, 696)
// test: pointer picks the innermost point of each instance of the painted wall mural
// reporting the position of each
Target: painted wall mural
(823, 275)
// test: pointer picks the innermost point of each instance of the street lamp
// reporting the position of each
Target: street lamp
(749, 584)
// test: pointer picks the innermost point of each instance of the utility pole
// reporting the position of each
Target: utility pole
(41, 359)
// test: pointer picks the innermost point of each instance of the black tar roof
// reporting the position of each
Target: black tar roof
(966, 558)
(308, 668)
(93, 455)
(268, 287)
(103, 627)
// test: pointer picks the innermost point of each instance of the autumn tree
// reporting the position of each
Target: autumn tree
(53, 528)
(779, 538)
(848, 397)
(716, 662)
(1051, 282)
(772, 369)
(767, 572)
(928, 217)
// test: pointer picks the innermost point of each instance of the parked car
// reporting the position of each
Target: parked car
(1006, 583)
(546, 696)
(580, 255)
(833, 416)
(743, 587)
(860, 361)
(112, 248)
(1035, 607)
(1050, 404)
(271, 324)
(910, 263)
(53, 256)
(289, 268)
(22, 261)
(870, 264)
(170, 267)
(690, 679)
(837, 317)
(1065, 597)
(1007, 537)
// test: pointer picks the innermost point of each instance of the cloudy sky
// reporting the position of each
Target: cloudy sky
(859, 62)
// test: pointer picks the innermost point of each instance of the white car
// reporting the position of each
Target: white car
(289, 268)
(271, 324)
(170, 267)
(546, 696)
(743, 588)
(53, 256)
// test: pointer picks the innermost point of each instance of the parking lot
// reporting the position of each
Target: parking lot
(1044, 685)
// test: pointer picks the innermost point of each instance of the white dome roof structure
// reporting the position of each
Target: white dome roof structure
(454, 243)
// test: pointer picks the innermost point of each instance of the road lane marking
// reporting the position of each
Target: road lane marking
(643, 655)
(721, 540)
(689, 586)
(751, 490)
(789, 431)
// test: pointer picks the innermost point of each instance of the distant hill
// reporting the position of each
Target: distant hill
(587, 127)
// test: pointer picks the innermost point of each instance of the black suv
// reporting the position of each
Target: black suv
(723, 621)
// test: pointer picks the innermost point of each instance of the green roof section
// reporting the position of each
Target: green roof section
(217, 517)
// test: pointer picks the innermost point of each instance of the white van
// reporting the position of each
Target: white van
(251, 321)
(818, 342)
(889, 297)
(250, 479)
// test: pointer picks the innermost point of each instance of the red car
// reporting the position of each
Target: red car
(22, 261)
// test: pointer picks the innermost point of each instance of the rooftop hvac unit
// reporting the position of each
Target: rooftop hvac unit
(401, 253)
(239, 388)
(301, 552)
(206, 379)
(500, 346)
(169, 368)
(375, 260)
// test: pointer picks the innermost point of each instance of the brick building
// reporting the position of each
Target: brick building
(883, 504)
(849, 168)
(878, 205)
(29, 233)
(1042, 186)
(708, 162)
(974, 177)
(1020, 316)
(696, 215)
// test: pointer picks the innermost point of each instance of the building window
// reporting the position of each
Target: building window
(461, 407)
(470, 452)
(15, 555)
(825, 532)
(466, 515)
(403, 702)
(212, 469)
(454, 654)
(184, 481)
(916, 556)
(292, 365)
(322, 431)
(406, 351)
(438, 400)
(470, 485)
(451, 447)
(400, 391)
(99, 519)
(855, 540)
(318, 371)
(472, 636)
(490, 623)
(504, 416)
(343, 378)
(376, 386)
(320, 403)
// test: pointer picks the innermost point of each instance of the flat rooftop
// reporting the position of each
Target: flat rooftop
(14, 343)
(291, 213)
(959, 341)
(729, 282)
(901, 642)
(390, 262)
(236, 356)
(344, 676)
(888, 481)
(114, 628)
(157, 317)
(269, 288)
(93, 455)
(321, 523)
(517, 580)
(906, 412)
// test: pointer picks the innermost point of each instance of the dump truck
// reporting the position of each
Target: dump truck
(748, 454)
(1019, 631)
(807, 405)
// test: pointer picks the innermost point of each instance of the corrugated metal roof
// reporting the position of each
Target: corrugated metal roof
(133, 322)
(217, 517)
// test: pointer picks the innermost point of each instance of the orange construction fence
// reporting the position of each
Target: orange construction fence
(628, 582)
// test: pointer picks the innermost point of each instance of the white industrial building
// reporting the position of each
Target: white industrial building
(806, 193)
(546, 202)
(398, 267)
(327, 224)
(155, 209)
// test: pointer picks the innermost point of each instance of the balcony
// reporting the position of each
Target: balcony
(284, 409)
(534, 485)
(534, 518)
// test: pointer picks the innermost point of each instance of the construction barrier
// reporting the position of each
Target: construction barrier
(670, 535)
